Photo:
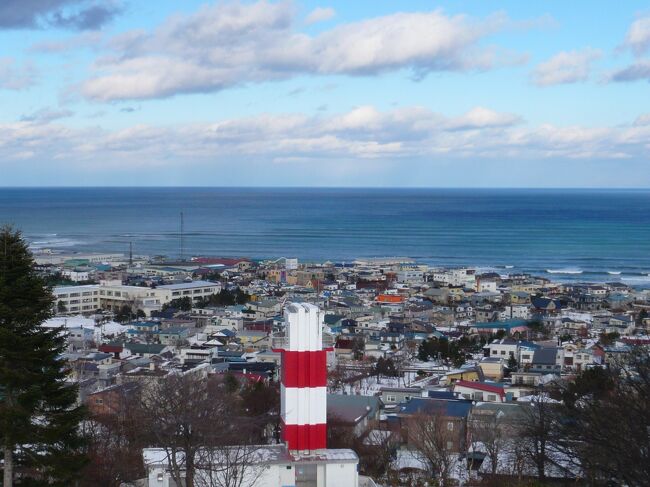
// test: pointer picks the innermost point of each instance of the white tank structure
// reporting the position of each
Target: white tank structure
(304, 379)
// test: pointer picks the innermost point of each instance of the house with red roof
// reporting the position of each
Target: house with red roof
(390, 298)
(114, 349)
(480, 391)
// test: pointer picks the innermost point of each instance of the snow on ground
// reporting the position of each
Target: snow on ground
(101, 331)
(538, 398)
(412, 460)
(371, 386)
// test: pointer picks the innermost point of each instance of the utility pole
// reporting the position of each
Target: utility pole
(130, 254)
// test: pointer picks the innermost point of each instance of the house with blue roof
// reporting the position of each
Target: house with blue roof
(144, 326)
(547, 305)
(357, 412)
(172, 335)
(511, 327)
(449, 414)
(547, 360)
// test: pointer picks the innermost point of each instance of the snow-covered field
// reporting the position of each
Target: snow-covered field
(105, 330)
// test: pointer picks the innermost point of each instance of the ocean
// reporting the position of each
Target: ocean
(586, 235)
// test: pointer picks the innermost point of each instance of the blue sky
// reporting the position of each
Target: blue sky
(381, 93)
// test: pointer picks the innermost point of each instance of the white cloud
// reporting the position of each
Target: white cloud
(233, 43)
(638, 36)
(46, 115)
(14, 77)
(481, 118)
(390, 137)
(565, 67)
(634, 72)
(86, 40)
(643, 119)
(638, 41)
(320, 14)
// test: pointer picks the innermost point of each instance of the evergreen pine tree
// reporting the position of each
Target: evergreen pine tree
(39, 417)
(512, 362)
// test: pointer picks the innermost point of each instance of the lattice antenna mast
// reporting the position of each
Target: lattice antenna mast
(182, 236)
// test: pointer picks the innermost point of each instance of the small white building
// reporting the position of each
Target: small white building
(484, 286)
(263, 466)
(76, 276)
(515, 312)
(456, 277)
(410, 275)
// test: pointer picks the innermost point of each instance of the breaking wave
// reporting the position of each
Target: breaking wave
(564, 271)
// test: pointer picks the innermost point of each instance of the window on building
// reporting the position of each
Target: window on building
(492, 397)
(306, 474)
(450, 426)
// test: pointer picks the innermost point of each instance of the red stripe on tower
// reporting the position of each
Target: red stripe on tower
(305, 437)
(304, 369)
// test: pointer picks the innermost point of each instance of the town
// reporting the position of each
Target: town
(432, 373)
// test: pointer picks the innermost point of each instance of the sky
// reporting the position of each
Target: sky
(313, 93)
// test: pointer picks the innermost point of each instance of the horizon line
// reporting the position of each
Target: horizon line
(571, 188)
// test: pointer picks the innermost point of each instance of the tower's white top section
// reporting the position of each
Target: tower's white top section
(304, 327)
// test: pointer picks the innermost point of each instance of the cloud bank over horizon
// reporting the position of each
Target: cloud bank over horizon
(120, 91)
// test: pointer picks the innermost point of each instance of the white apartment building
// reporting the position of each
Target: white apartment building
(456, 277)
(410, 275)
(196, 290)
(110, 296)
(77, 299)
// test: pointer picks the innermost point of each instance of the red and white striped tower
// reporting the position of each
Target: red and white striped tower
(304, 379)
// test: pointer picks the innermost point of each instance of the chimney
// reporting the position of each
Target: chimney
(304, 380)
